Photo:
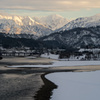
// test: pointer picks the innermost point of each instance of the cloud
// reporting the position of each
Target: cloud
(49, 5)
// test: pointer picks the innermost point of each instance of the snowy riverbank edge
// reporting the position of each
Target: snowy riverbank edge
(62, 64)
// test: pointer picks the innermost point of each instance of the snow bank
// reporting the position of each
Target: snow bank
(63, 63)
(51, 56)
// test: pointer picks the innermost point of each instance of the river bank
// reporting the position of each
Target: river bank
(23, 83)
(20, 83)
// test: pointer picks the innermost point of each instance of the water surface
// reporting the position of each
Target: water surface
(76, 85)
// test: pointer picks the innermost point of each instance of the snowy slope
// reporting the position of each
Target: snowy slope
(52, 21)
(31, 25)
(78, 37)
(82, 22)
(25, 25)
(42, 26)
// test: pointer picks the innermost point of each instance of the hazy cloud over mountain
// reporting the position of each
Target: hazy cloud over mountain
(49, 5)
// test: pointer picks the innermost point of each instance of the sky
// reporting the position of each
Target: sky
(67, 8)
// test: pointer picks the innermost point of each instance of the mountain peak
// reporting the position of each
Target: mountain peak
(53, 22)
(82, 22)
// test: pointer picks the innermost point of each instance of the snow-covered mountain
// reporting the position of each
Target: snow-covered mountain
(22, 25)
(52, 21)
(82, 22)
(42, 26)
(31, 25)
(77, 37)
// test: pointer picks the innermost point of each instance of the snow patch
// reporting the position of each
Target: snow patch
(49, 55)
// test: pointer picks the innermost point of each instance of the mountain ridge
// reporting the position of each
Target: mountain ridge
(74, 38)
(81, 22)
(77, 37)
(30, 25)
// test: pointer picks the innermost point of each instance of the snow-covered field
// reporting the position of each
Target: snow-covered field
(51, 56)
(56, 62)
(63, 64)
(54, 56)
(76, 85)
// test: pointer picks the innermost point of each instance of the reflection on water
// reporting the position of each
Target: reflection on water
(76, 85)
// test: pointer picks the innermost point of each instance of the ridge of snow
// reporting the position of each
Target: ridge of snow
(52, 21)
(82, 22)
(18, 24)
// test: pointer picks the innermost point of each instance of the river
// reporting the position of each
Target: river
(76, 85)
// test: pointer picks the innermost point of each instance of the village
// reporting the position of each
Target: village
(64, 54)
